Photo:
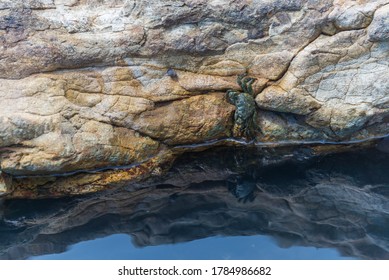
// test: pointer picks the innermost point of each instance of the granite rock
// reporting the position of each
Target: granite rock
(85, 84)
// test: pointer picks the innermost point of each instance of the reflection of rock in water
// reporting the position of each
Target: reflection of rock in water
(338, 201)
(242, 188)
(383, 145)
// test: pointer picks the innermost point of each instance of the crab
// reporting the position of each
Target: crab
(245, 112)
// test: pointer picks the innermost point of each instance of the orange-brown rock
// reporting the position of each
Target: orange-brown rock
(89, 84)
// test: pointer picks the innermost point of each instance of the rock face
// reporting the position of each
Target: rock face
(338, 201)
(89, 84)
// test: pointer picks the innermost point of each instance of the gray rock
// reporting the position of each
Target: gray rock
(379, 28)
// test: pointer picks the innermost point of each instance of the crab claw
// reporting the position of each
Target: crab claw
(232, 96)
(239, 80)
(248, 85)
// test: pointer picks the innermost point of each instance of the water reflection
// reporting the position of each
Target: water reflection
(338, 201)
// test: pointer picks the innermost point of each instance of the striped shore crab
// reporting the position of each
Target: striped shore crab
(245, 112)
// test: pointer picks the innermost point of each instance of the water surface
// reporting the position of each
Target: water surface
(222, 204)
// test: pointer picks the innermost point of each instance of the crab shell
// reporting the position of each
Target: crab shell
(245, 108)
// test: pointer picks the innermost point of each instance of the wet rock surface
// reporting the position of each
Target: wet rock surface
(334, 201)
(86, 84)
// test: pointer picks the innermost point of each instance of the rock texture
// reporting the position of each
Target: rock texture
(338, 201)
(84, 83)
